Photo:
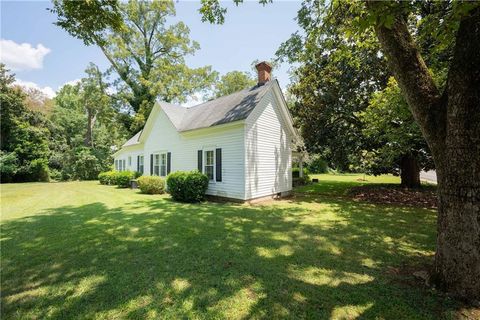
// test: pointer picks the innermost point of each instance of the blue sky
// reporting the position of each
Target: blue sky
(43, 54)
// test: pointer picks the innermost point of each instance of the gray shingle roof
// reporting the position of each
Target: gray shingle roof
(174, 112)
(234, 107)
(133, 140)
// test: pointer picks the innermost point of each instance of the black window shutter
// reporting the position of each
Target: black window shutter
(218, 164)
(169, 159)
(138, 163)
(151, 164)
(200, 153)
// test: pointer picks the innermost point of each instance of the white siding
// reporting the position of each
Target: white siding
(163, 137)
(132, 151)
(256, 155)
(268, 154)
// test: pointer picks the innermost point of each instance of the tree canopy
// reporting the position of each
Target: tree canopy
(333, 82)
(396, 142)
(231, 82)
(24, 135)
(145, 50)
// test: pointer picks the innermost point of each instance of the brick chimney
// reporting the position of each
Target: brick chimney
(264, 72)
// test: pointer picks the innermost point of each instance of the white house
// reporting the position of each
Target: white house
(242, 142)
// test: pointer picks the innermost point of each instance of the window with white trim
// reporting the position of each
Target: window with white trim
(129, 161)
(209, 166)
(163, 164)
(156, 164)
(160, 164)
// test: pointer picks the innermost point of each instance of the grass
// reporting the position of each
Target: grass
(80, 250)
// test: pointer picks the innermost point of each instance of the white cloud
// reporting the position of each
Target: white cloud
(22, 56)
(48, 91)
(72, 83)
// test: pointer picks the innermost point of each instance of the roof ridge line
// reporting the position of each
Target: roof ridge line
(251, 88)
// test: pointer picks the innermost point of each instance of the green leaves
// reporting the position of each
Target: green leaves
(24, 135)
(389, 124)
(212, 11)
(335, 77)
(87, 20)
(147, 53)
(232, 82)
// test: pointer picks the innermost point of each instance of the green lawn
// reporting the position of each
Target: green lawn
(83, 250)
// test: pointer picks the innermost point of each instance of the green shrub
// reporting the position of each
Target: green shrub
(151, 184)
(123, 178)
(86, 166)
(39, 170)
(112, 177)
(55, 175)
(317, 165)
(300, 181)
(296, 172)
(8, 165)
(108, 177)
(104, 177)
(187, 186)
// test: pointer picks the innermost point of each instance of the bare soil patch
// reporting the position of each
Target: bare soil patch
(425, 197)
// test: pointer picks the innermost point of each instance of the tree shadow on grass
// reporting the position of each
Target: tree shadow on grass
(161, 259)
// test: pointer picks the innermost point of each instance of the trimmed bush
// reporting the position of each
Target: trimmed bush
(108, 177)
(112, 177)
(123, 178)
(151, 184)
(103, 177)
(187, 186)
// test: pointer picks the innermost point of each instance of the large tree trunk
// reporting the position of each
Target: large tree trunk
(457, 260)
(451, 125)
(409, 171)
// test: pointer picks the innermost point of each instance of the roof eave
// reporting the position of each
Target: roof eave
(215, 127)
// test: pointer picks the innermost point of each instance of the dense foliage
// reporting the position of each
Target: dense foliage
(341, 98)
(123, 178)
(231, 82)
(151, 184)
(144, 50)
(394, 134)
(303, 180)
(24, 136)
(85, 128)
(187, 186)
(317, 164)
(107, 177)
(69, 137)
(334, 80)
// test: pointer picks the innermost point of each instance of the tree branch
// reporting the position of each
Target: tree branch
(408, 67)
